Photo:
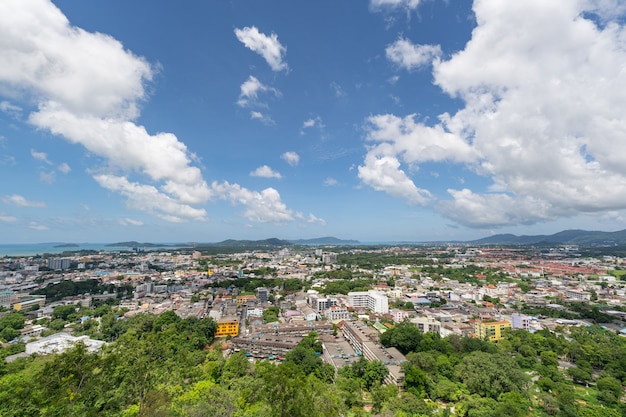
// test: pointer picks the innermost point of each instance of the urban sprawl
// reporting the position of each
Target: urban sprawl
(266, 301)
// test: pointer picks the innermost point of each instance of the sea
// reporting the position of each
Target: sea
(32, 249)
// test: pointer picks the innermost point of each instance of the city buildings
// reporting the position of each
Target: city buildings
(371, 300)
(262, 294)
(491, 330)
(227, 326)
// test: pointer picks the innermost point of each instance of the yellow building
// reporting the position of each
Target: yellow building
(26, 304)
(244, 299)
(491, 330)
(227, 326)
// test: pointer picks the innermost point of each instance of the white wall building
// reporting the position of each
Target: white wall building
(374, 301)
(337, 313)
(399, 315)
(520, 321)
(427, 324)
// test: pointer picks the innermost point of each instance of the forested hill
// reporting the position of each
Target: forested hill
(571, 237)
(168, 366)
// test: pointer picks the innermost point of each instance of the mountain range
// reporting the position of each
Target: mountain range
(568, 237)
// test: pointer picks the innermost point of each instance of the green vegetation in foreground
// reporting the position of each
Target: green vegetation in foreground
(167, 366)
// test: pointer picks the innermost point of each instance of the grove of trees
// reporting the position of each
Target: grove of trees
(168, 366)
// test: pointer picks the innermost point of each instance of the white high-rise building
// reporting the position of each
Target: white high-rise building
(520, 321)
(374, 301)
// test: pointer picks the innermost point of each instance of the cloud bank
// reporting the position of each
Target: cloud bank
(87, 88)
(543, 116)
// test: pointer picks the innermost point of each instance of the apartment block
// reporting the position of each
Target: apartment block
(374, 301)
(227, 326)
(492, 330)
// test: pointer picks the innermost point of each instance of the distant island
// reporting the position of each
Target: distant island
(248, 244)
(67, 245)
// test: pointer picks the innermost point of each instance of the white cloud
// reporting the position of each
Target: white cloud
(65, 64)
(292, 158)
(250, 89)
(543, 117)
(37, 226)
(267, 46)
(47, 177)
(311, 123)
(264, 207)
(21, 201)
(315, 220)
(64, 168)
(88, 89)
(330, 182)
(383, 173)
(498, 209)
(6, 218)
(263, 118)
(150, 199)
(130, 222)
(409, 56)
(265, 172)
(10, 109)
(394, 4)
(339, 91)
(40, 156)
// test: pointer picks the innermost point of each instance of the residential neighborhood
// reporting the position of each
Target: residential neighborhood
(468, 291)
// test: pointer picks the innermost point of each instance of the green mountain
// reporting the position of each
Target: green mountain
(568, 237)
(265, 243)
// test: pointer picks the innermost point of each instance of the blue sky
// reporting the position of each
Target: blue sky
(380, 120)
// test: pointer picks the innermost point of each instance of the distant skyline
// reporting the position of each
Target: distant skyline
(380, 120)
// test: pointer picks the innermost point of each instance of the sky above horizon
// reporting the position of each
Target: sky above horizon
(378, 120)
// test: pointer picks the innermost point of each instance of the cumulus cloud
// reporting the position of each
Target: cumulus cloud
(88, 89)
(311, 123)
(267, 46)
(383, 173)
(40, 156)
(409, 56)
(21, 201)
(149, 198)
(292, 158)
(250, 89)
(265, 206)
(315, 220)
(265, 172)
(543, 117)
(262, 117)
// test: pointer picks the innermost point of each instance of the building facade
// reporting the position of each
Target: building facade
(374, 301)
(491, 330)
(227, 326)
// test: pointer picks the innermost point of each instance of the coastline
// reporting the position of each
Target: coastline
(33, 249)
